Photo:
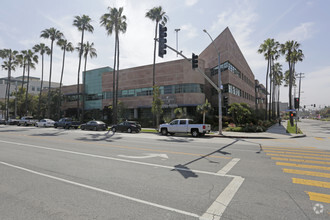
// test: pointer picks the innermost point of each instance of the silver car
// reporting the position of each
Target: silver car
(45, 123)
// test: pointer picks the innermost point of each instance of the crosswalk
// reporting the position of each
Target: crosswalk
(308, 166)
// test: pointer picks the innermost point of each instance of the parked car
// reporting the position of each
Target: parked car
(128, 126)
(94, 125)
(12, 121)
(45, 123)
(67, 123)
(184, 126)
(26, 121)
(2, 121)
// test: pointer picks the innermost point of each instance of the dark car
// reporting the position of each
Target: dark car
(94, 125)
(128, 126)
(12, 121)
(2, 121)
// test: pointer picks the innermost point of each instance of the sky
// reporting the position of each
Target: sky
(250, 21)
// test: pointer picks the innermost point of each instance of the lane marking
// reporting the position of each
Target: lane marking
(285, 152)
(319, 139)
(294, 156)
(134, 148)
(302, 161)
(222, 201)
(164, 156)
(216, 210)
(302, 166)
(306, 151)
(319, 197)
(228, 166)
(104, 191)
(306, 173)
(311, 182)
(302, 147)
(115, 159)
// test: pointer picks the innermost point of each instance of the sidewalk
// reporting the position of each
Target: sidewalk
(274, 132)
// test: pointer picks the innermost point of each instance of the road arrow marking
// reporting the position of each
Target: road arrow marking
(164, 156)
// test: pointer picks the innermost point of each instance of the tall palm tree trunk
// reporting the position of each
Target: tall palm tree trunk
(78, 90)
(266, 115)
(84, 88)
(60, 92)
(27, 90)
(7, 94)
(23, 78)
(42, 81)
(50, 79)
(117, 80)
(114, 107)
(278, 102)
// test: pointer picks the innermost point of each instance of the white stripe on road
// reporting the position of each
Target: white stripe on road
(215, 211)
(228, 167)
(104, 191)
(113, 158)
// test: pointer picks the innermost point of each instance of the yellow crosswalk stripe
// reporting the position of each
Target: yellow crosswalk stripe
(286, 152)
(302, 161)
(295, 156)
(319, 139)
(306, 173)
(302, 166)
(307, 151)
(311, 182)
(319, 197)
(298, 148)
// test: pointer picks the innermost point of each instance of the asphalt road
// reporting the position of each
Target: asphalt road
(51, 173)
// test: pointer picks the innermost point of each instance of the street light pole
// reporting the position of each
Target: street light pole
(177, 30)
(219, 83)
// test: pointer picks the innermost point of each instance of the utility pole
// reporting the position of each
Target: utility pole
(299, 75)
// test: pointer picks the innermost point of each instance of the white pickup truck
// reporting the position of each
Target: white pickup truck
(26, 121)
(184, 126)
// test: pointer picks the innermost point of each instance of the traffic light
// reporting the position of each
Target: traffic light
(296, 103)
(194, 61)
(162, 40)
(314, 105)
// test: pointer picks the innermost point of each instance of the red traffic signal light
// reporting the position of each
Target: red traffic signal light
(296, 103)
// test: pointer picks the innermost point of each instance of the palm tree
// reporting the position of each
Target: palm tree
(91, 51)
(269, 50)
(83, 24)
(66, 46)
(21, 58)
(156, 14)
(204, 108)
(115, 21)
(42, 49)
(31, 59)
(278, 78)
(52, 34)
(10, 63)
(292, 55)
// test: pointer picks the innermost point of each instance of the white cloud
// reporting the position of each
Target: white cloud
(301, 33)
(189, 30)
(191, 2)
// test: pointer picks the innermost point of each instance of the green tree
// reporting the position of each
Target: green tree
(10, 62)
(156, 14)
(54, 35)
(31, 59)
(270, 51)
(83, 24)
(278, 78)
(21, 59)
(157, 104)
(240, 112)
(41, 49)
(91, 51)
(292, 55)
(180, 112)
(204, 109)
(115, 21)
(66, 46)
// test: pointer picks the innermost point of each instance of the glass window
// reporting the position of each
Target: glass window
(183, 122)
(175, 122)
